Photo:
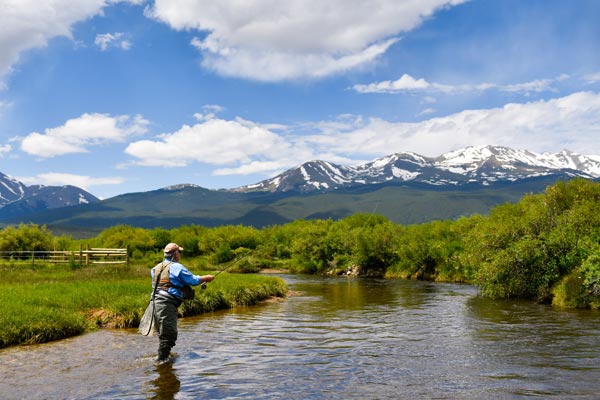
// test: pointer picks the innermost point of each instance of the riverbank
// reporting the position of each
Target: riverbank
(47, 303)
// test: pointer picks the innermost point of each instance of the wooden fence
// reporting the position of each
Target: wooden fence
(87, 257)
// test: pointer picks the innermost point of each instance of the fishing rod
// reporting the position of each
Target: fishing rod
(203, 285)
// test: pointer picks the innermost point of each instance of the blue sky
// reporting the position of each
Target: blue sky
(128, 96)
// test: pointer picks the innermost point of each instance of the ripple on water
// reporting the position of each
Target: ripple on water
(351, 339)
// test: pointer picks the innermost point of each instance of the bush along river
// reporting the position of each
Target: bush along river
(334, 338)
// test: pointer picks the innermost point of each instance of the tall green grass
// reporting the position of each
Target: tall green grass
(44, 303)
(233, 290)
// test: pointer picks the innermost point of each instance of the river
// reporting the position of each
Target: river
(334, 338)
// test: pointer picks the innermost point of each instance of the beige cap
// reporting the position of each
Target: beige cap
(172, 247)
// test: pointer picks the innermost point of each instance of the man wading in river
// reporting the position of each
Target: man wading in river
(171, 278)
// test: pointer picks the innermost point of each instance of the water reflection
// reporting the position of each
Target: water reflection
(533, 349)
(337, 338)
(346, 294)
(350, 293)
(166, 385)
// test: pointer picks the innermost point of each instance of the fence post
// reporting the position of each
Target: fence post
(127, 256)
(80, 254)
(33, 258)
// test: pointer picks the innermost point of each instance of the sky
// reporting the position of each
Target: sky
(123, 96)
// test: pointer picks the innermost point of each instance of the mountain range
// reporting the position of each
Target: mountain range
(18, 199)
(484, 165)
(405, 187)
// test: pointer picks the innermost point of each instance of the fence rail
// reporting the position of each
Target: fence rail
(87, 257)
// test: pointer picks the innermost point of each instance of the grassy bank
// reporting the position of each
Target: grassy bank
(48, 303)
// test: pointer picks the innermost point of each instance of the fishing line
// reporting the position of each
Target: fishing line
(372, 213)
(378, 201)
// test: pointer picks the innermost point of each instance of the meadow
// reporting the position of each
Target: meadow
(49, 302)
(544, 248)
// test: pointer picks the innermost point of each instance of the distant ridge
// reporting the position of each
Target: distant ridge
(406, 188)
(17, 199)
(483, 165)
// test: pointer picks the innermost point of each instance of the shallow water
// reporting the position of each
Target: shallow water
(337, 338)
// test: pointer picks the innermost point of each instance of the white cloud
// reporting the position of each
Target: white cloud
(112, 40)
(571, 122)
(5, 149)
(277, 40)
(210, 111)
(426, 111)
(217, 142)
(592, 78)
(254, 167)
(277, 66)
(407, 83)
(61, 179)
(539, 85)
(28, 24)
(77, 134)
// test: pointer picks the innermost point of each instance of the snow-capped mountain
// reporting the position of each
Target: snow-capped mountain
(466, 169)
(478, 165)
(17, 198)
(10, 189)
(312, 175)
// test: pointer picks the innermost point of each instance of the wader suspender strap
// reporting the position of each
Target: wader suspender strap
(157, 279)
(154, 294)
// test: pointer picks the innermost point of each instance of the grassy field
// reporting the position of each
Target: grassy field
(44, 303)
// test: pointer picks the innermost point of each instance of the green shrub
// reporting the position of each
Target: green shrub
(570, 292)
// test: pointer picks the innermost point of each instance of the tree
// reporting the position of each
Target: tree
(29, 237)
(126, 236)
(524, 249)
(311, 246)
(375, 248)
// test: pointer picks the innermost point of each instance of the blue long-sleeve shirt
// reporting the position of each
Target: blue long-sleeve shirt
(179, 276)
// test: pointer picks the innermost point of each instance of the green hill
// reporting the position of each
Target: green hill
(168, 208)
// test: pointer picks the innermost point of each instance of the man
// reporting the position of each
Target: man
(170, 277)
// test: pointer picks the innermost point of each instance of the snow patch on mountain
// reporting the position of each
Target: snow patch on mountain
(404, 174)
(483, 165)
(180, 186)
(17, 198)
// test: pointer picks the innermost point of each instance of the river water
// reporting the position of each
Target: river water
(335, 338)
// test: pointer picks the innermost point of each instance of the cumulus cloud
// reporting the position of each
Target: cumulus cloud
(61, 179)
(219, 142)
(571, 122)
(112, 40)
(271, 41)
(407, 83)
(77, 134)
(28, 24)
